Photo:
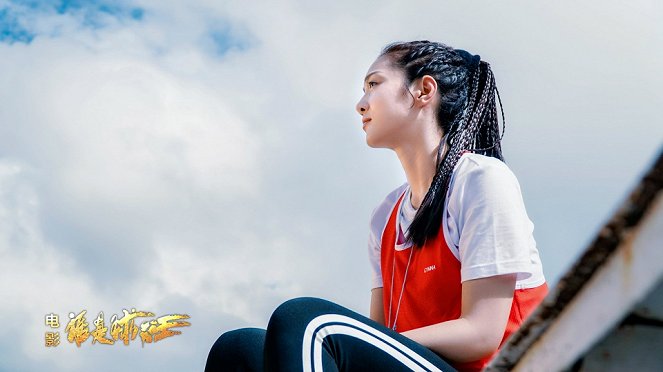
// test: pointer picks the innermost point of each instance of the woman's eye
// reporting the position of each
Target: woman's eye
(371, 84)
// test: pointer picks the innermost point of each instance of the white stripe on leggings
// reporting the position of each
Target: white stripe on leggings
(313, 341)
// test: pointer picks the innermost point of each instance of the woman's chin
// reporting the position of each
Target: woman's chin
(371, 142)
(376, 144)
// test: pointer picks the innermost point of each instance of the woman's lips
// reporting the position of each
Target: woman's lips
(365, 121)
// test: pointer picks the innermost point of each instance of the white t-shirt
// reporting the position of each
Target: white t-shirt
(484, 223)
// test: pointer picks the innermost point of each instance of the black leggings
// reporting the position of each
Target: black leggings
(310, 334)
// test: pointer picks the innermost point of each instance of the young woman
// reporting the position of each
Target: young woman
(455, 265)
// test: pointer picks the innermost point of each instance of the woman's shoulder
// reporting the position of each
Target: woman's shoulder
(477, 162)
(395, 194)
(383, 210)
(473, 167)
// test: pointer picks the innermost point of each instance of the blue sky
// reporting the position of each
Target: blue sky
(205, 157)
(12, 29)
(19, 19)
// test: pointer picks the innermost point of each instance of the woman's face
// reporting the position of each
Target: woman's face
(385, 105)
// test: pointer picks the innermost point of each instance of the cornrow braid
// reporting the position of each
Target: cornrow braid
(467, 115)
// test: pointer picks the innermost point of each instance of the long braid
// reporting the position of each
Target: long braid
(440, 183)
(467, 115)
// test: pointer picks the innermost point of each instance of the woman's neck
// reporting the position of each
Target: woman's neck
(418, 161)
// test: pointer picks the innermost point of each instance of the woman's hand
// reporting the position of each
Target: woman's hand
(486, 304)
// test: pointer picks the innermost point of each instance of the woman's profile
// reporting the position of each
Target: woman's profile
(455, 268)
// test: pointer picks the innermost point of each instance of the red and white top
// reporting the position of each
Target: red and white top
(485, 232)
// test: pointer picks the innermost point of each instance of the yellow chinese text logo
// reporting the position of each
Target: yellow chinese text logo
(121, 328)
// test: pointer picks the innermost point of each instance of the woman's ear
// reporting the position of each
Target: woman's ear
(425, 90)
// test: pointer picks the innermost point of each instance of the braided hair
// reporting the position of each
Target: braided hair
(467, 115)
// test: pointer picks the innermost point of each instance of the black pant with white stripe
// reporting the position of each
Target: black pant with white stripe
(310, 334)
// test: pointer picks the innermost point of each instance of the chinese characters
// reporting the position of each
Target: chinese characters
(122, 328)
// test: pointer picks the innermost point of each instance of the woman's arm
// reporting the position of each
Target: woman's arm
(377, 310)
(486, 304)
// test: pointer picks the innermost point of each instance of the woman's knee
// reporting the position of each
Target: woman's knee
(242, 337)
(237, 347)
(298, 312)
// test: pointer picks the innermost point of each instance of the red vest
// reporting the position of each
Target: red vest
(432, 292)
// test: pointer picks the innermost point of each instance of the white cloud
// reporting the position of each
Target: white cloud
(140, 168)
(37, 277)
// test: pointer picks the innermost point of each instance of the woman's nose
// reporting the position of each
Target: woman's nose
(361, 106)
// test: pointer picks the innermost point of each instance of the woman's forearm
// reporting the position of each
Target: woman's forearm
(376, 310)
(458, 340)
(486, 305)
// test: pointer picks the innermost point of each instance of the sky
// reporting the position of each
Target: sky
(205, 157)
